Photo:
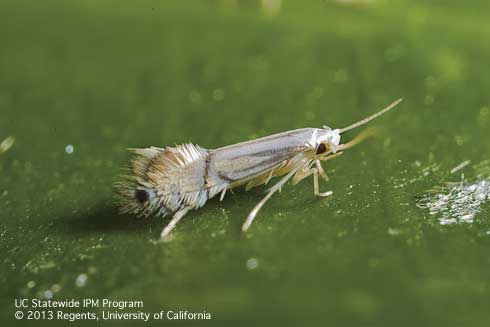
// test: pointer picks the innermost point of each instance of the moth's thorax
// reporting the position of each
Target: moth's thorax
(327, 136)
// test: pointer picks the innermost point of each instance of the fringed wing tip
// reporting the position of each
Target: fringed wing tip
(146, 152)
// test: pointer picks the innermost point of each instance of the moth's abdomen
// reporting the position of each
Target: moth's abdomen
(162, 181)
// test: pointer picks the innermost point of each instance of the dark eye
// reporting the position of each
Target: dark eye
(321, 148)
(142, 196)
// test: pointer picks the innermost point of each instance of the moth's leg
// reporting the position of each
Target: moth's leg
(322, 172)
(171, 225)
(256, 209)
(316, 189)
(302, 173)
(319, 164)
(332, 156)
(222, 194)
(270, 176)
(251, 216)
(308, 171)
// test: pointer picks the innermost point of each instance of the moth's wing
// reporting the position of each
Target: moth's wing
(182, 164)
(252, 171)
(171, 177)
(242, 162)
(264, 178)
(259, 180)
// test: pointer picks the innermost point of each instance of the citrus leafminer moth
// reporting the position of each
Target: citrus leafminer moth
(174, 180)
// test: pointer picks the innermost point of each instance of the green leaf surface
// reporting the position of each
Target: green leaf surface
(82, 81)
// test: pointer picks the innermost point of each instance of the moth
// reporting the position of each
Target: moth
(174, 180)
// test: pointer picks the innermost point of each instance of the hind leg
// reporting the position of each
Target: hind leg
(171, 225)
(272, 190)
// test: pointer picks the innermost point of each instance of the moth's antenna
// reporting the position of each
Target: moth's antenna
(368, 119)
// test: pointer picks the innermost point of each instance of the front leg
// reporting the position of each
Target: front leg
(316, 189)
(322, 172)
(332, 156)
(302, 174)
(319, 164)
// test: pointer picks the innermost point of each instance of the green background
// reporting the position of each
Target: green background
(103, 76)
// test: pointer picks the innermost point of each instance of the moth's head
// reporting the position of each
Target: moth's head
(326, 141)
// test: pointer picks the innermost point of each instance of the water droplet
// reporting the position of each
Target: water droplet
(48, 294)
(81, 280)
(69, 149)
(7, 144)
(252, 264)
(393, 231)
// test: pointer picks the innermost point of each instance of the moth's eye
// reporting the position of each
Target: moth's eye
(321, 148)
(142, 196)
